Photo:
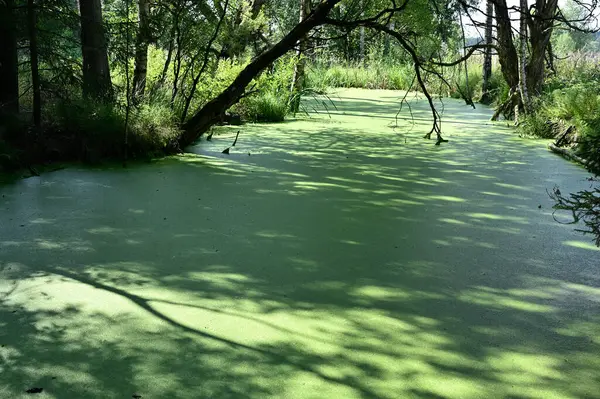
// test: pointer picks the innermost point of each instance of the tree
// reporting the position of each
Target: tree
(211, 112)
(540, 21)
(361, 51)
(507, 54)
(298, 78)
(205, 60)
(486, 96)
(523, 90)
(141, 50)
(528, 64)
(33, 60)
(96, 72)
(9, 78)
(242, 28)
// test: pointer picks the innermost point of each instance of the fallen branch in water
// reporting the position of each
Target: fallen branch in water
(584, 206)
(226, 150)
(567, 153)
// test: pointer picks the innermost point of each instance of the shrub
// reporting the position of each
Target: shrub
(84, 130)
(153, 129)
(578, 106)
(402, 77)
(265, 107)
(498, 87)
(537, 125)
(580, 102)
(473, 89)
(10, 157)
(92, 132)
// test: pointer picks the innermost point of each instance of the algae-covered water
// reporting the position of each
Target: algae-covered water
(336, 256)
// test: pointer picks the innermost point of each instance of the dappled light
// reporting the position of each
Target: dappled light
(335, 255)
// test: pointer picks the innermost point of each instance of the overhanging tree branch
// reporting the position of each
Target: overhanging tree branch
(210, 113)
(418, 62)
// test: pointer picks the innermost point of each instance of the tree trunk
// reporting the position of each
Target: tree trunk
(467, 94)
(550, 59)
(362, 36)
(386, 41)
(523, 57)
(9, 73)
(206, 59)
(257, 6)
(210, 113)
(541, 25)
(141, 51)
(96, 73)
(176, 64)
(33, 54)
(347, 47)
(486, 96)
(507, 54)
(298, 78)
(163, 75)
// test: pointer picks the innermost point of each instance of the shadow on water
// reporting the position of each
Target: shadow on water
(327, 257)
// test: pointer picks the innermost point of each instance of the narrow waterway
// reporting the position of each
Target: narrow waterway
(337, 255)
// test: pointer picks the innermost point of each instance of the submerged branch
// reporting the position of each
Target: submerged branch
(584, 206)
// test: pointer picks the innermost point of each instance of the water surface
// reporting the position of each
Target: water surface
(339, 255)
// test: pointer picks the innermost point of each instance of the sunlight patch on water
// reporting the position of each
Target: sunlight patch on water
(452, 221)
(491, 216)
(582, 245)
(512, 186)
(502, 300)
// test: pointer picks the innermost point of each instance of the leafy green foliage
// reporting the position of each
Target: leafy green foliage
(496, 85)
(272, 102)
(11, 140)
(579, 68)
(470, 88)
(579, 102)
(153, 128)
(566, 42)
(266, 107)
(197, 50)
(537, 126)
(571, 103)
(93, 131)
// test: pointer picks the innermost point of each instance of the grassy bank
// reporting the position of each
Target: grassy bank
(569, 109)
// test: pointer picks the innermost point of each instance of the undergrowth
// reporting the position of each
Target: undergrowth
(91, 132)
(265, 107)
(571, 100)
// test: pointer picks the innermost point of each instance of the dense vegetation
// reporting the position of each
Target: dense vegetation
(118, 79)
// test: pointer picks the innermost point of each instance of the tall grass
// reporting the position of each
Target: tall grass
(379, 75)
(376, 76)
(272, 102)
(579, 67)
(266, 107)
